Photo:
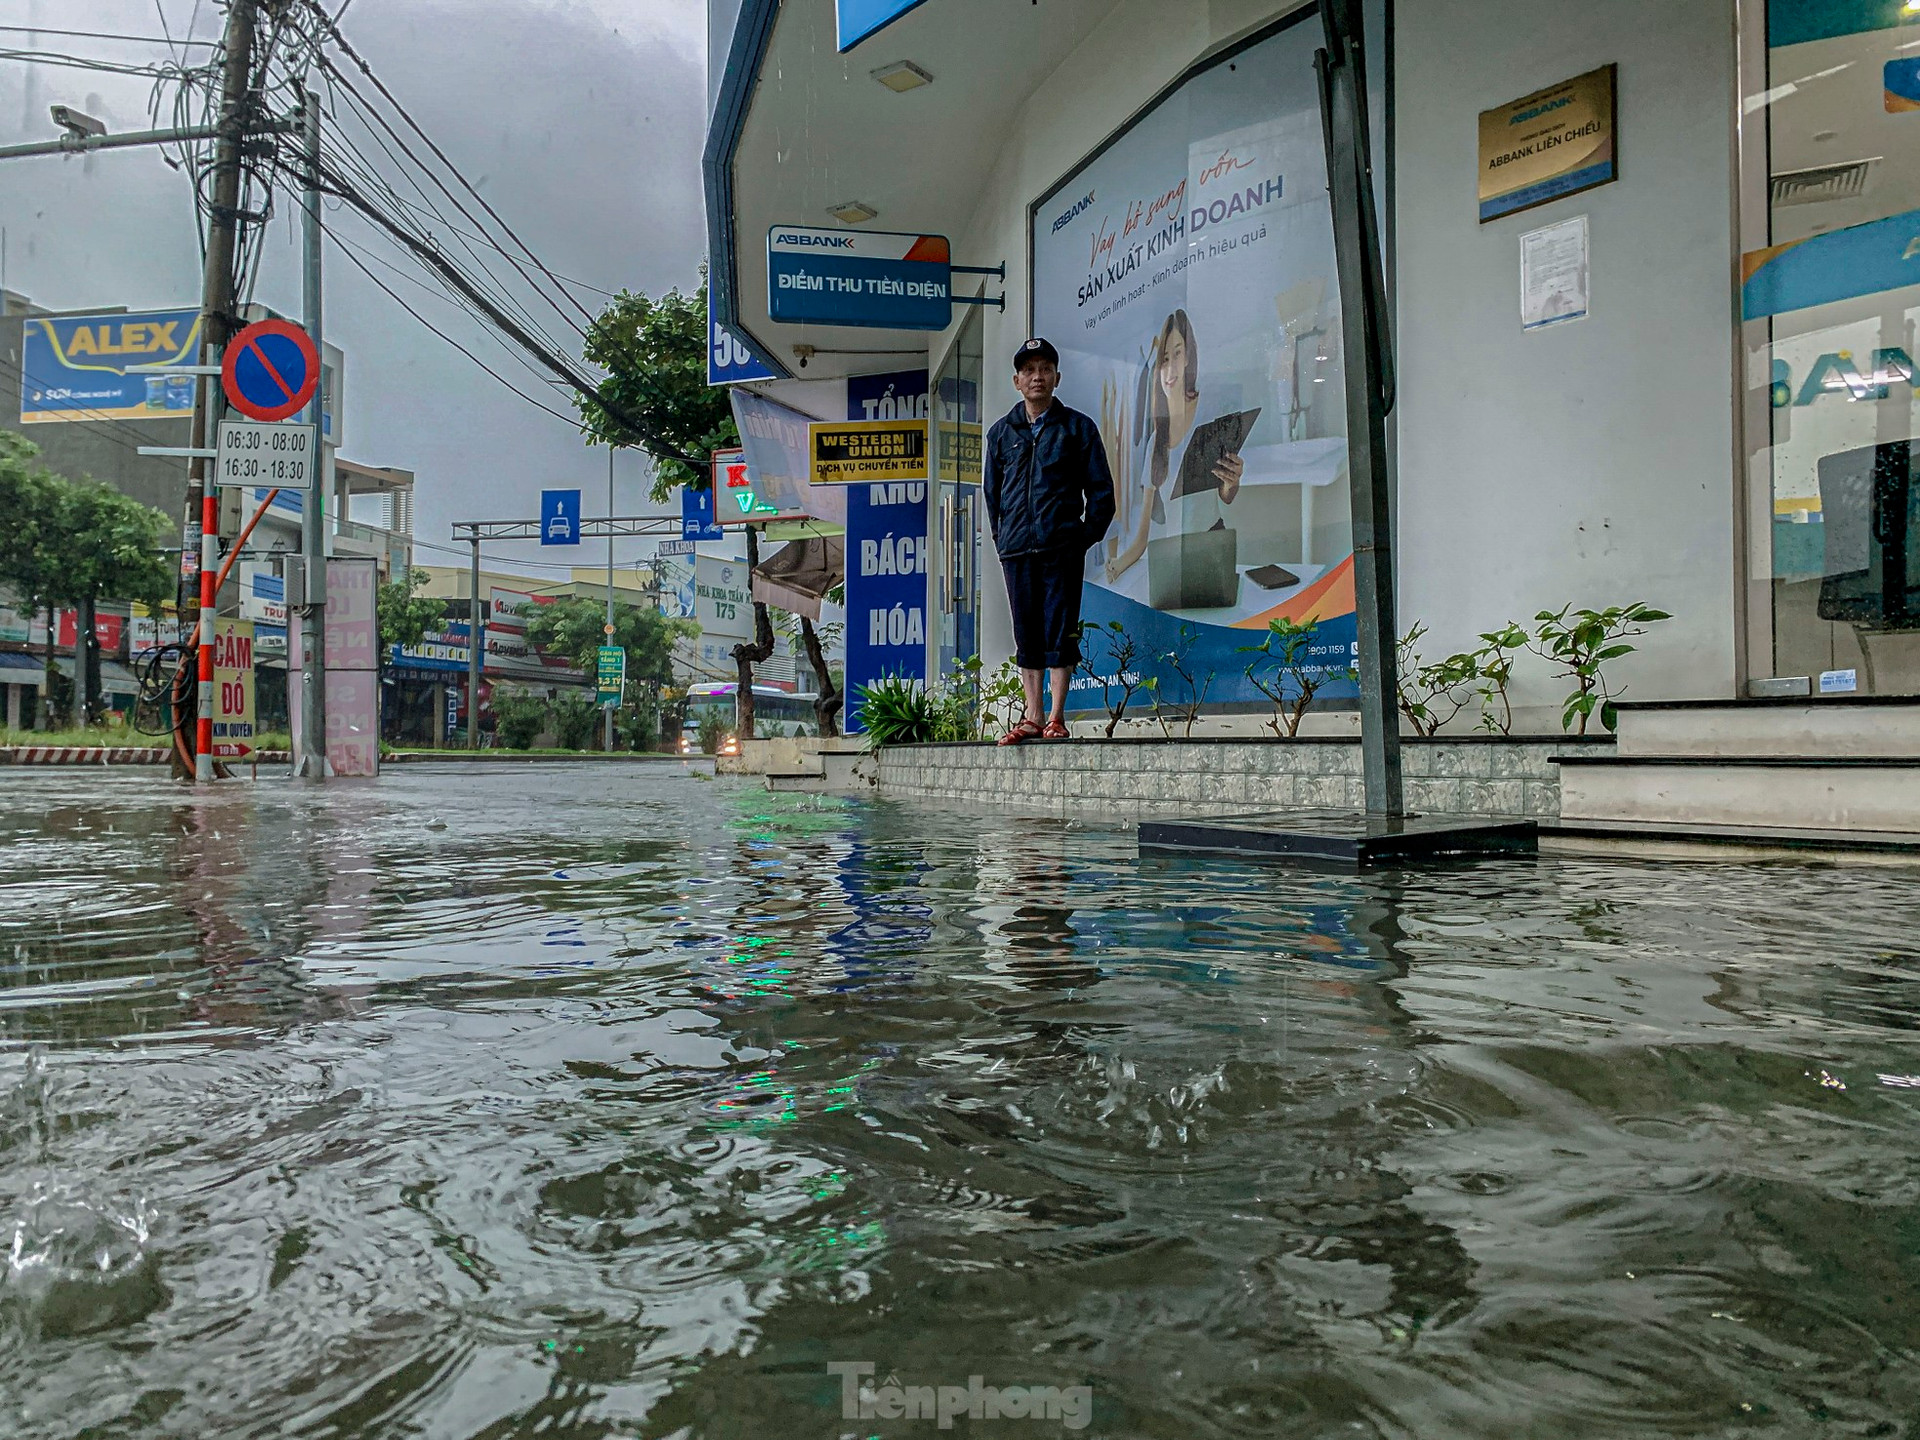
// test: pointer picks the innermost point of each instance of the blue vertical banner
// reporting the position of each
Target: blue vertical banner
(559, 517)
(886, 552)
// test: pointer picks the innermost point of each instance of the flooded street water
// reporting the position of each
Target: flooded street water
(619, 1101)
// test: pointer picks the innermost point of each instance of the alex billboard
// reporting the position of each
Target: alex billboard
(76, 367)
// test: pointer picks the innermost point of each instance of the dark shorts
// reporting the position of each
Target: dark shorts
(1044, 594)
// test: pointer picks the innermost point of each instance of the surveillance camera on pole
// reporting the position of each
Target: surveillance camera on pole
(77, 125)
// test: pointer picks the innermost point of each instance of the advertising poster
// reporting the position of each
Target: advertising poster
(779, 468)
(723, 609)
(233, 695)
(1186, 275)
(353, 670)
(74, 367)
(886, 549)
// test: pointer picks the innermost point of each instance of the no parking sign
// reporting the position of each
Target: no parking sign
(270, 370)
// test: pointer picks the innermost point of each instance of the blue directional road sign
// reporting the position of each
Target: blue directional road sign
(875, 279)
(559, 517)
(696, 516)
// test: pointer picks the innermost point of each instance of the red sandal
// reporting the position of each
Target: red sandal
(1025, 730)
(1055, 730)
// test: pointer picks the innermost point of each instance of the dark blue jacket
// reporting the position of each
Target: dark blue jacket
(1055, 494)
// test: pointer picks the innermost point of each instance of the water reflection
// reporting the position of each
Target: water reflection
(539, 1103)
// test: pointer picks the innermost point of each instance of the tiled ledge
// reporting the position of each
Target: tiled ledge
(1467, 776)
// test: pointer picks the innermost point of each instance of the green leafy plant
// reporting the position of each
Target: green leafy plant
(1001, 698)
(1581, 643)
(1495, 674)
(518, 719)
(575, 718)
(1123, 682)
(897, 711)
(1284, 675)
(712, 732)
(1169, 710)
(1431, 695)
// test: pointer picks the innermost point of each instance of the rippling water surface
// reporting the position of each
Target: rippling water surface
(579, 1101)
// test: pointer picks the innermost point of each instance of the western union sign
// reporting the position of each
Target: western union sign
(854, 452)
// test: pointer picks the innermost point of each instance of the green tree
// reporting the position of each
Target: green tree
(66, 542)
(405, 617)
(656, 397)
(106, 546)
(574, 628)
(29, 568)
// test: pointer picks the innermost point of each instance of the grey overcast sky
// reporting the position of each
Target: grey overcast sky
(579, 120)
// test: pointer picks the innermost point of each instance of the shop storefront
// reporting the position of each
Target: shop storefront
(1670, 363)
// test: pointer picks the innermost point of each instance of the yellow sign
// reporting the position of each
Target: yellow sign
(1553, 143)
(233, 718)
(854, 452)
(958, 443)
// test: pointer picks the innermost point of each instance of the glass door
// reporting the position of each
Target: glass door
(1831, 220)
(955, 514)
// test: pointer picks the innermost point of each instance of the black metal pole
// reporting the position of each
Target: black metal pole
(1368, 363)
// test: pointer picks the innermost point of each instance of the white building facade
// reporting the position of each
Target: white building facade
(1682, 376)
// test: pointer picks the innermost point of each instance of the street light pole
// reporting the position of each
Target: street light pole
(609, 630)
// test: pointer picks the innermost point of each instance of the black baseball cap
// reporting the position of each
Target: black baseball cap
(1035, 349)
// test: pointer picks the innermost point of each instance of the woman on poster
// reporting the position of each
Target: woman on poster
(1173, 364)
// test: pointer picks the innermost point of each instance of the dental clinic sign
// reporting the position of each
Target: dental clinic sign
(879, 280)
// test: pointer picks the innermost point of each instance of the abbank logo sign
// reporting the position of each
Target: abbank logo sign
(861, 18)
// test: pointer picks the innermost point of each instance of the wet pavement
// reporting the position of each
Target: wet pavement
(620, 1101)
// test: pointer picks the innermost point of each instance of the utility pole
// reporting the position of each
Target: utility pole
(200, 550)
(609, 627)
(476, 642)
(312, 762)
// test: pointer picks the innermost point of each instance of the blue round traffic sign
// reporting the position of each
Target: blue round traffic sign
(270, 370)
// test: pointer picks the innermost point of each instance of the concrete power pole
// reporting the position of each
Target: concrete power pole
(200, 552)
(609, 622)
(312, 761)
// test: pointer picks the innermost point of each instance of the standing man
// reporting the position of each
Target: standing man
(1049, 500)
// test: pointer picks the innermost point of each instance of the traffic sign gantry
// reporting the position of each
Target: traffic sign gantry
(270, 370)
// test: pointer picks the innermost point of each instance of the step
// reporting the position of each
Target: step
(830, 772)
(1644, 837)
(1840, 727)
(796, 782)
(1864, 794)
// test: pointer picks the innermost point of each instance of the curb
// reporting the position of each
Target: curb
(115, 755)
(516, 757)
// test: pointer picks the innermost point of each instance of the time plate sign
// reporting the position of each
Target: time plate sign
(255, 453)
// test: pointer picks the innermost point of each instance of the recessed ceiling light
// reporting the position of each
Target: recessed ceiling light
(852, 212)
(902, 76)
